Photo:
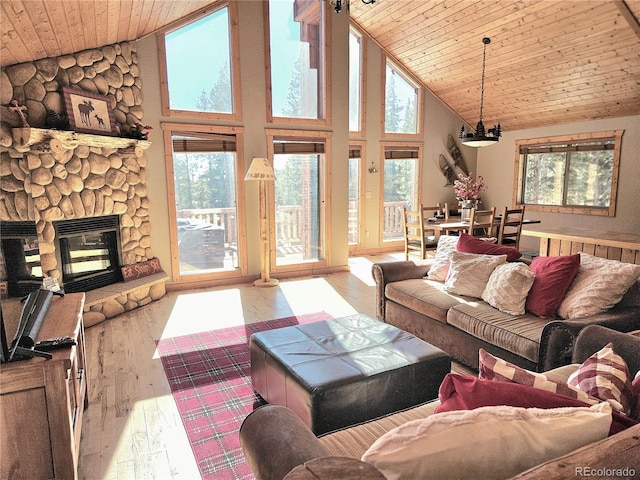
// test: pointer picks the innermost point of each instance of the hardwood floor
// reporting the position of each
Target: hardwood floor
(131, 428)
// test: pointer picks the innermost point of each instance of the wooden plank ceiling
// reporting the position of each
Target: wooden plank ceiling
(549, 61)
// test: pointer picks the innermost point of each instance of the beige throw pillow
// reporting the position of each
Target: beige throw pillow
(599, 284)
(508, 287)
(440, 266)
(487, 442)
(470, 272)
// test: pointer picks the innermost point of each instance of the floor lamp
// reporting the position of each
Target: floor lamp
(261, 170)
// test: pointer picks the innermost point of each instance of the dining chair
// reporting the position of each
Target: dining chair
(481, 222)
(510, 227)
(418, 238)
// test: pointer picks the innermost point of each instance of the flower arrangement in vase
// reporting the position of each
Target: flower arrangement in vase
(468, 192)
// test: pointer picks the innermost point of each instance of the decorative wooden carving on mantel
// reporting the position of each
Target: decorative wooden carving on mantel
(59, 140)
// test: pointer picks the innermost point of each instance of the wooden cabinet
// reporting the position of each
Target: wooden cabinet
(42, 400)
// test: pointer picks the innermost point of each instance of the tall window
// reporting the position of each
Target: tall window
(355, 80)
(355, 193)
(297, 59)
(202, 80)
(400, 188)
(204, 191)
(299, 206)
(577, 174)
(401, 101)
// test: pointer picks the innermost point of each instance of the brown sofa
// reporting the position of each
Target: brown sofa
(275, 441)
(462, 325)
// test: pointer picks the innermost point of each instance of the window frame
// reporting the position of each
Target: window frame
(409, 146)
(324, 108)
(387, 60)
(519, 166)
(234, 68)
(362, 231)
(325, 197)
(170, 129)
(362, 81)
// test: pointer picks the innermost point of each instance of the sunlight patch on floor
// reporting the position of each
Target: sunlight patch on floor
(204, 310)
(315, 295)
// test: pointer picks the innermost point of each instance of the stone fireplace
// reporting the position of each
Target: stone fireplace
(51, 176)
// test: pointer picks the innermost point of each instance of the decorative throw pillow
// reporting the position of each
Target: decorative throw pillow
(470, 244)
(464, 392)
(598, 286)
(508, 287)
(494, 368)
(470, 272)
(553, 277)
(605, 376)
(440, 266)
(430, 448)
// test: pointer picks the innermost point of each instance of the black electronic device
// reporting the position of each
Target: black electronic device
(34, 311)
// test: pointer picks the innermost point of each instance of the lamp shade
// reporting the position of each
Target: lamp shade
(260, 169)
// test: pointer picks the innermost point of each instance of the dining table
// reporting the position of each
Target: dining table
(439, 226)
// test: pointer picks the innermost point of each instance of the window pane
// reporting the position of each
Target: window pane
(400, 190)
(298, 208)
(354, 201)
(199, 78)
(401, 100)
(297, 58)
(544, 181)
(355, 78)
(590, 176)
(204, 182)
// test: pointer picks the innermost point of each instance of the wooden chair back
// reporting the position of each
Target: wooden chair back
(418, 238)
(481, 222)
(510, 227)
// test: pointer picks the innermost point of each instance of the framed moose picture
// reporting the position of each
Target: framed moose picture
(89, 112)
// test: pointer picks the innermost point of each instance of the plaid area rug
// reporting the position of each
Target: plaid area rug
(210, 377)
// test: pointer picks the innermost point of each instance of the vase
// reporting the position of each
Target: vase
(465, 209)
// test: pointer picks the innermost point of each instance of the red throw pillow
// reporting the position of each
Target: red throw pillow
(470, 244)
(464, 392)
(553, 278)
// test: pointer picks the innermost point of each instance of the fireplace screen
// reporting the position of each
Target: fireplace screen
(88, 250)
(21, 257)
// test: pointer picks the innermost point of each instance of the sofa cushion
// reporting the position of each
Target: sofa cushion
(440, 266)
(423, 296)
(553, 277)
(519, 334)
(470, 244)
(508, 287)
(354, 441)
(470, 272)
(493, 368)
(431, 448)
(605, 376)
(598, 286)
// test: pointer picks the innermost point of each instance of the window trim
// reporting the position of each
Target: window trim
(362, 227)
(234, 68)
(518, 194)
(363, 81)
(168, 130)
(324, 108)
(388, 60)
(325, 196)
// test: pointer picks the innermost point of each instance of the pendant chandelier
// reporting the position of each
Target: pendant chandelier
(338, 4)
(481, 138)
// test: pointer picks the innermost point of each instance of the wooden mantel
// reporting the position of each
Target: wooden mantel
(59, 140)
(622, 246)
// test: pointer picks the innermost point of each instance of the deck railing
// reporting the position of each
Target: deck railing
(291, 220)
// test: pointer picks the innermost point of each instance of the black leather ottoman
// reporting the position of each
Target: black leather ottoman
(340, 372)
